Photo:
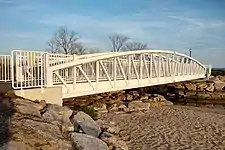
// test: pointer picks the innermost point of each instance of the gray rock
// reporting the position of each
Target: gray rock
(87, 142)
(27, 134)
(160, 97)
(130, 97)
(191, 87)
(106, 135)
(86, 123)
(28, 103)
(27, 107)
(202, 86)
(180, 92)
(138, 105)
(144, 97)
(27, 110)
(58, 115)
(28, 130)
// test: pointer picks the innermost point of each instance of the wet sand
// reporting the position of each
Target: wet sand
(172, 127)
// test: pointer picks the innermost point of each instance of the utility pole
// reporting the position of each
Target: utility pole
(190, 51)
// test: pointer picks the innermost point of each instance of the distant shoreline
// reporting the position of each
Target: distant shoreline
(218, 71)
(218, 68)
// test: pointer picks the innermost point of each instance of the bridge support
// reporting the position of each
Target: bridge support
(51, 95)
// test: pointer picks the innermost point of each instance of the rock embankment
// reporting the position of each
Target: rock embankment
(118, 101)
(204, 93)
(39, 126)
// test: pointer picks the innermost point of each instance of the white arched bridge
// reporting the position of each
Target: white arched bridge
(57, 76)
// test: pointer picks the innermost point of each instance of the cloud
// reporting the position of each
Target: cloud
(7, 2)
(23, 35)
(202, 23)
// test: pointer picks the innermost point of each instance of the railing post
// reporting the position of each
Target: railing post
(97, 74)
(49, 73)
(74, 72)
(151, 70)
(173, 68)
(141, 69)
(159, 67)
(114, 71)
(208, 71)
(129, 69)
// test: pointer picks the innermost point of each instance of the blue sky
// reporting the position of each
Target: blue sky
(162, 24)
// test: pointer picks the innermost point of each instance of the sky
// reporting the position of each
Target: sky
(175, 25)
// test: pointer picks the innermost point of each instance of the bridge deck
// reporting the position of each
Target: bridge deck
(96, 73)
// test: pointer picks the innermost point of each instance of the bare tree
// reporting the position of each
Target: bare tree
(78, 49)
(131, 46)
(118, 41)
(65, 41)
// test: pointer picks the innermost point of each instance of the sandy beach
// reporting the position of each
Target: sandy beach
(172, 127)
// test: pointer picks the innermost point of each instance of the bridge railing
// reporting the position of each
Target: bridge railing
(128, 67)
(5, 68)
(32, 68)
(29, 69)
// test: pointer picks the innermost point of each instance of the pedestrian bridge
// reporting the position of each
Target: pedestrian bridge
(49, 76)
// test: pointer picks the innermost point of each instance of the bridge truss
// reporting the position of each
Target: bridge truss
(96, 73)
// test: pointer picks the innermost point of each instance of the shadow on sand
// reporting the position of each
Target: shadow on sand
(6, 112)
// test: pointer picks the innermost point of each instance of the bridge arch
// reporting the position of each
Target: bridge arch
(102, 72)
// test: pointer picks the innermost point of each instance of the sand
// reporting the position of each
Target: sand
(172, 127)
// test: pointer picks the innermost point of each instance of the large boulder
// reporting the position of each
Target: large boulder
(28, 103)
(27, 107)
(21, 129)
(84, 122)
(59, 116)
(87, 142)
